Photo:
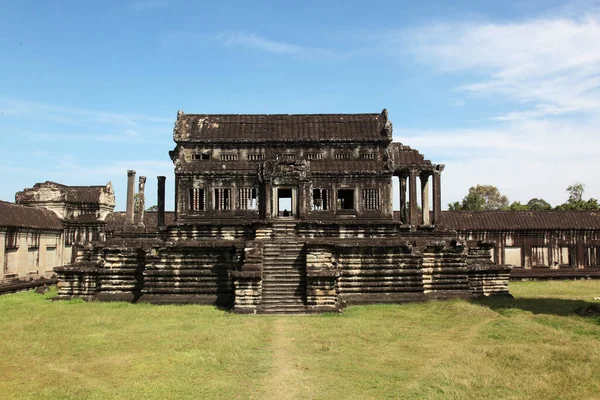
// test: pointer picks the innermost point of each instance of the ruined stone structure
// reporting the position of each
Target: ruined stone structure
(39, 231)
(287, 213)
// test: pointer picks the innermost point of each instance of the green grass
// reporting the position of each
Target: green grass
(544, 344)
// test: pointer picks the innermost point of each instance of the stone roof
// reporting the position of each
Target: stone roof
(520, 220)
(281, 127)
(71, 194)
(348, 166)
(403, 155)
(17, 216)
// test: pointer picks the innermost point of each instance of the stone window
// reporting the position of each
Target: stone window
(222, 199)
(367, 156)
(345, 199)
(539, 256)
(286, 156)
(32, 257)
(512, 256)
(229, 157)
(248, 199)
(256, 157)
(321, 200)
(564, 255)
(201, 156)
(50, 256)
(314, 156)
(593, 255)
(197, 199)
(342, 156)
(371, 199)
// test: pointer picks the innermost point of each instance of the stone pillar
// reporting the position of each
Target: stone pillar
(160, 217)
(413, 217)
(130, 197)
(403, 214)
(268, 188)
(425, 198)
(437, 193)
(141, 203)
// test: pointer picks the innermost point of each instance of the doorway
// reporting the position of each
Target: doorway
(286, 204)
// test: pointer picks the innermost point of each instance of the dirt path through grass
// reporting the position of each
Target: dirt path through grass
(287, 378)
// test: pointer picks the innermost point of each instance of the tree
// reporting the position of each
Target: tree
(576, 202)
(152, 208)
(481, 198)
(575, 192)
(517, 206)
(536, 204)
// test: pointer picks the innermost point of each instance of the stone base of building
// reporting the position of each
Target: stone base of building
(298, 269)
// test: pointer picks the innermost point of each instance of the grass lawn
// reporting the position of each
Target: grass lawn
(544, 344)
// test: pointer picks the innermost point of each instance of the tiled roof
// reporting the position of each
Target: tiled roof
(280, 127)
(13, 215)
(513, 220)
(116, 220)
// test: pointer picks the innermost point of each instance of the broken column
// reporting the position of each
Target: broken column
(160, 218)
(437, 193)
(140, 203)
(130, 197)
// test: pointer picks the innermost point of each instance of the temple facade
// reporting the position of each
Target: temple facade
(287, 213)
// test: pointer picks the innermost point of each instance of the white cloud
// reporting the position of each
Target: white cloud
(524, 159)
(258, 42)
(550, 66)
(93, 125)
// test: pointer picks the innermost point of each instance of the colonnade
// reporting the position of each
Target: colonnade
(409, 215)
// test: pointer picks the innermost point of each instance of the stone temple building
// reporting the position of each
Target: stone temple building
(287, 213)
(41, 230)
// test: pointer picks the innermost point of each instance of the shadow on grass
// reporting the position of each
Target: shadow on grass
(561, 307)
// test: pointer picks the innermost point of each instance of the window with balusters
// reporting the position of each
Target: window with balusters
(248, 199)
(371, 199)
(197, 199)
(222, 199)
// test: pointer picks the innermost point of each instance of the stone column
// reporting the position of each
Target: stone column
(141, 203)
(437, 193)
(413, 217)
(268, 188)
(403, 213)
(425, 198)
(160, 217)
(130, 197)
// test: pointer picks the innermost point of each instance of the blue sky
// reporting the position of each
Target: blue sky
(503, 93)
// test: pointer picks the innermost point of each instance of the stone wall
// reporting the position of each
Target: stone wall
(30, 253)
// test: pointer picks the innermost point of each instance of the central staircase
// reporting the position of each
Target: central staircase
(284, 272)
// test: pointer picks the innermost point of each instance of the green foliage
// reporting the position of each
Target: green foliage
(576, 202)
(575, 192)
(536, 204)
(481, 198)
(517, 206)
(152, 208)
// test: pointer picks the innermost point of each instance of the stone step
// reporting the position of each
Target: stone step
(284, 310)
(282, 302)
(283, 291)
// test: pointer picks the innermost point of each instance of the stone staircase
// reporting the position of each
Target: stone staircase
(284, 272)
